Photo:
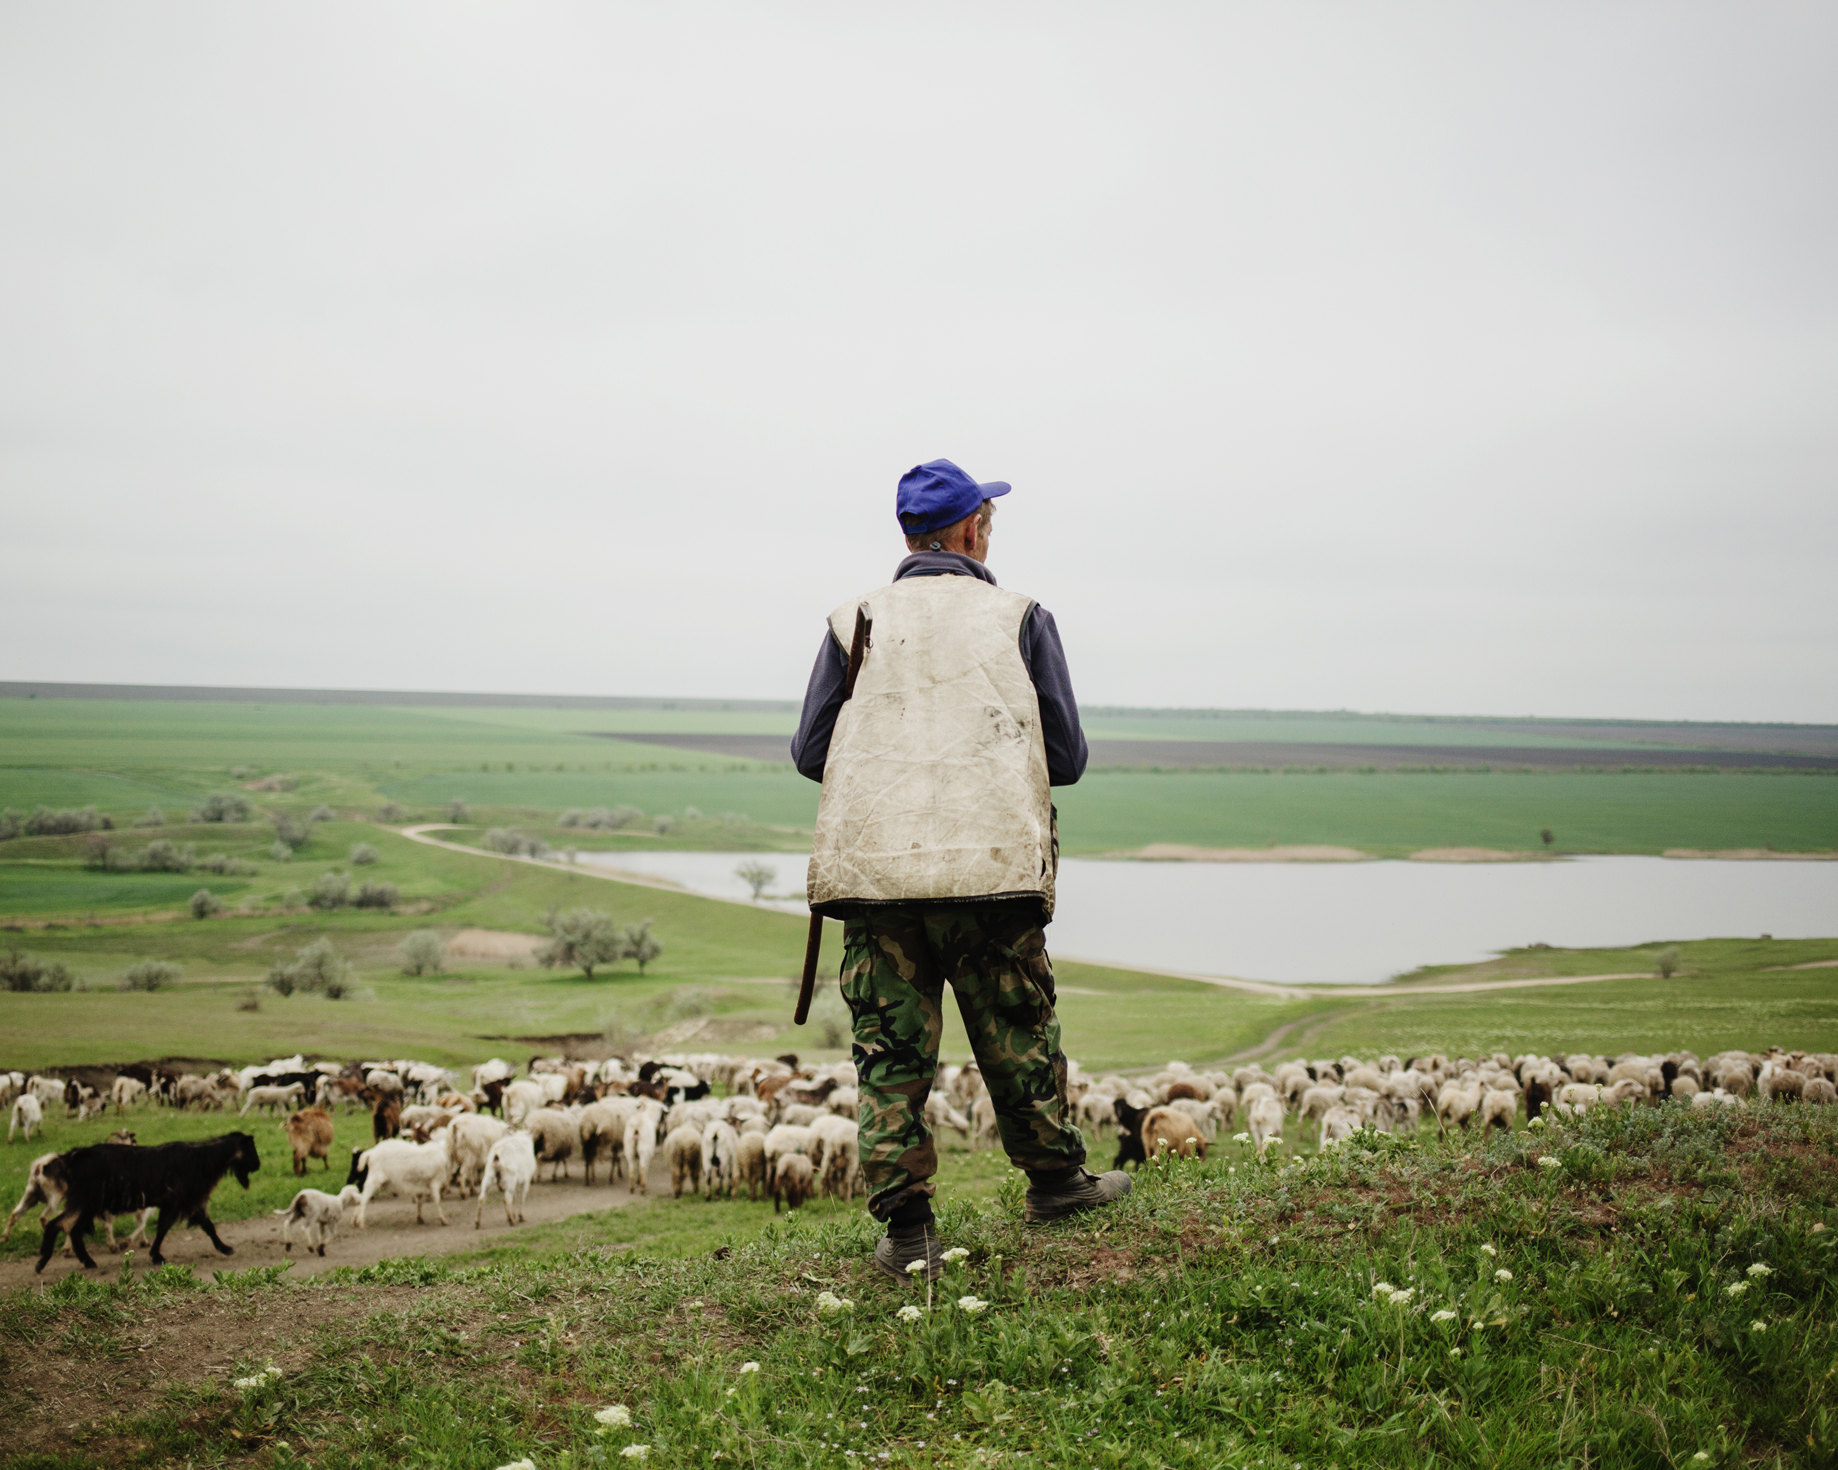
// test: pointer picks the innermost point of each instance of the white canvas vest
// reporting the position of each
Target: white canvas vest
(935, 788)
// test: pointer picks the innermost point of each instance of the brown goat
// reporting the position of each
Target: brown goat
(792, 1181)
(309, 1133)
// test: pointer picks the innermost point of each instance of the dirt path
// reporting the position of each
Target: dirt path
(391, 1232)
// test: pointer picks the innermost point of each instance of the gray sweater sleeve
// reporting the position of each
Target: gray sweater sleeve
(1046, 665)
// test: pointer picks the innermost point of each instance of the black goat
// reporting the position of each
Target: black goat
(119, 1179)
(307, 1080)
(675, 1095)
(1537, 1097)
(358, 1174)
(1129, 1135)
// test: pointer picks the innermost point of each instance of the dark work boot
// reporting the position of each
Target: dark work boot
(904, 1244)
(1051, 1197)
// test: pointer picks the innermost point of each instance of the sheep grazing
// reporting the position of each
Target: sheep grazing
(603, 1128)
(420, 1168)
(1169, 1130)
(983, 1120)
(556, 1137)
(270, 1098)
(511, 1165)
(127, 1092)
(791, 1181)
(683, 1156)
(28, 1114)
(1338, 1123)
(121, 1179)
(1265, 1121)
(939, 1114)
(469, 1142)
(641, 1144)
(318, 1214)
(309, 1135)
(720, 1161)
(1498, 1108)
(750, 1165)
(1819, 1092)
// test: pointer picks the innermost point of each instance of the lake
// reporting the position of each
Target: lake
(1359, 923)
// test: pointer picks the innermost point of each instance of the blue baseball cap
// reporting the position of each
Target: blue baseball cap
(938, 494)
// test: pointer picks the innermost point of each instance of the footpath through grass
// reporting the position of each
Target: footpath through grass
(1653, 1287)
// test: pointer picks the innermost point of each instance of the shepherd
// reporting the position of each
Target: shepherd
(939, 715)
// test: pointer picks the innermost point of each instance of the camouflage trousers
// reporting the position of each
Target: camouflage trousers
(896, 962)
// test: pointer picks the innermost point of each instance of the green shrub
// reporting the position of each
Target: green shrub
(332, 891)
(291, 830)
(150, 974)
(20, 972)
(318, 968)
(423, 953)
(163, 855)
(582, 939)
(204, 904)
(663, 822)
(46, 823)
(756, 875)
(223, 806)
(99, 854)
(321, 813)
(222, 863)
(151, 817)
(11, 825)
(362, 855)
(640, 944)
(391, 812)
(375, 896)
(457, 811)
(280, 852)
(516, 844)
(1666, 962)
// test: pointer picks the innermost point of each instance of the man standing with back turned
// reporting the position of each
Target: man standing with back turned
(936, 845)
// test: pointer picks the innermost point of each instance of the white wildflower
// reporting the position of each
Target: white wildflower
(1445, 1315)
(614, 1416)
(1488, 1250)
(971, 1304)
(1382, 1288)
(1758, 1325)
(1736, 1288)
(1241, 1138)
(630, 1452)
(519, 1465)
(749, 1367)
(909, 1314)
(1454, 1352)
(1502, 1275)
(956, 1253)
(1761, 1268)
(913, 1268)
(828, 1301)
(244, 1385)
(1701, 1455)
(1549, 1161)
(1535, 1123)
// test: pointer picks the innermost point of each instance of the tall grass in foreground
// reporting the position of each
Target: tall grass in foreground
(1658, 1294)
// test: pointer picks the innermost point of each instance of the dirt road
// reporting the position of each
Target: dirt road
(391, 1232)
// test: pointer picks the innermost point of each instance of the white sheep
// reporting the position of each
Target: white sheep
(1338, 1123)
(470, 1140)
(750, 1164)
(1266, 1120)
(683, 1157)
(1498, 1105)
(557, 1137)
(983, 1120)
(127, 1092)
(28, 1114)
(641, 1144)
(396, 1163)
(319, 1214)
(270, 1098)
(511, 1165)
(720, 1158)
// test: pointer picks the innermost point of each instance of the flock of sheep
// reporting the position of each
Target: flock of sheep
(789, 1132)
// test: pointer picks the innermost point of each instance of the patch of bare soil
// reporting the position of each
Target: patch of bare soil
(391, 1232)
(494, 946)
(1750, 855)
(1180, 852)
(1472, 855)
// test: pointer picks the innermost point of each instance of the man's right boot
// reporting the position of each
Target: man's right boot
(1075, 1191)
(904, 1244)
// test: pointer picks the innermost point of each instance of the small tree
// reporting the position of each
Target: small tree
(423, 953)
(756, 875)
(318, 967)
(204, 904)
(1666, 962)
(663, 823)
(362, 855)
(583, 939)
(21, 972)
(99, 852)
(152, 817)
(1548, 835)
(281, 852)
(165, 856)
(640, 944)
(292, 831)
(223, 806)
(457, 811)
(149, 974)
(332, 891)
(320, 813)
(375, 896)
(391, 812)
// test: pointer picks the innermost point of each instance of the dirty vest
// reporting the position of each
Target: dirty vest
(935, 788)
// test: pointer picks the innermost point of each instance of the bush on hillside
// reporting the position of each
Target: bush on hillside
(205, 904)
(1666, 962)
(292, 831)
(149, 975)
(583, 939)
(317, 969)
(46, 823)
(332, 891)
(423, 953)
(391, 812)
(276, 783)
(21, 973)
(321, 813)
(362, 855)
(222, 863)
(375, 896)
(163, 855)
(280, 852)
(223, 806)
(11, 825)
(640, 944)
(457, 811)
(151, 817)
(98, 853)
(513, 843)
(663, 823)
(830, 1015)
(599, 818)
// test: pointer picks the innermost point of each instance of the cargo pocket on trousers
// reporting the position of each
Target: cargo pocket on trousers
(1027, 995)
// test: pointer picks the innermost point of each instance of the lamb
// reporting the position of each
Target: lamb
(319, 1214)
(119, 1179)
(1317, 1100)
(720, 1149)
(1338, 1123)
(127, 1092)
(791, 1181)
(309, 1134)
(557, 1138)
(1143, 1132)
(641, 1144)
(1266, 1123)
(683, 1156)
(395, 1163)
(48, 1090)
(1819, 1092)
(511, 1165)
(29, 1114)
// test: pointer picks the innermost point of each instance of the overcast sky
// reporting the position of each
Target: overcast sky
(1441, 358)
